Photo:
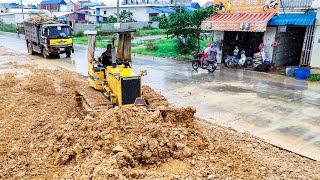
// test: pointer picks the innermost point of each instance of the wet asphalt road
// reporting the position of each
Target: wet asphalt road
(279, 110)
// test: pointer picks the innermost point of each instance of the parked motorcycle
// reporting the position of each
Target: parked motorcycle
(270, 4)
(234, 61)
(245, 61)
(199, 63)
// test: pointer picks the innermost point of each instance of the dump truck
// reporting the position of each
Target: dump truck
(48, 38)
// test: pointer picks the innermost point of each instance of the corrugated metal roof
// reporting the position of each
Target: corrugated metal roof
(158, 10)
(293, 19)
(53, 2)
(297, 3)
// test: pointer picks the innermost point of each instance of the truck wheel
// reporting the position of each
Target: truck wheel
(68, 53)
(30, 49)
(45, 53)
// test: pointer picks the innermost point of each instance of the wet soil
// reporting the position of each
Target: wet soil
(45, 134)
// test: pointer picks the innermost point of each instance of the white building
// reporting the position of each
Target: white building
(142, 10)
(161, 2)
(68, 7)
(15, 16)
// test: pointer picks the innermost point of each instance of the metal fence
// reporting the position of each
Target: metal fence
(297, 4)
(132, 25)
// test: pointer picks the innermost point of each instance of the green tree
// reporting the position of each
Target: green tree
(111, 19)
(186, 26)
(163, 21)
(126, 16)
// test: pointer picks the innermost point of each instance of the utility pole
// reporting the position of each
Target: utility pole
(118, 11)
(22, 10)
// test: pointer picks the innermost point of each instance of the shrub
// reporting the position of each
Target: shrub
(7, 27)
(78, 33)
(163, 21)
(314, 77)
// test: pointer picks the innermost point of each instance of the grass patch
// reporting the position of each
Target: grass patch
(7, 27)
(163, 48)
(150, 32)
(314, 78)
(166, 47)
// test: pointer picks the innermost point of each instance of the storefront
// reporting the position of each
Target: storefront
(240, 24)
(293, 39)
(287, 37)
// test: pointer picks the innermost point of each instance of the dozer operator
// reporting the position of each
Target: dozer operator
(105, 57)
(111, 74)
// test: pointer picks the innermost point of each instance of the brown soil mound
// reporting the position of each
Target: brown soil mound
(44, 134)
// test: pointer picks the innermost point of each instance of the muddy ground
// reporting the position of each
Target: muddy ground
(45, 134)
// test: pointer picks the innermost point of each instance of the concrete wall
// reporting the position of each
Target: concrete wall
(133, 25)
(139, 13)
(269, 37)
(281, 51)
(218, 38)
(315, 57)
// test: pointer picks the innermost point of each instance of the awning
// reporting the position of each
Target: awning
(252, 22)
(294, 19)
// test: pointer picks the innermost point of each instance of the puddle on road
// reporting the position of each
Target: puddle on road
(230, 89)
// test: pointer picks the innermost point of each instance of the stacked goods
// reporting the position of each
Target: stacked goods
(257, 56)
(40, 19)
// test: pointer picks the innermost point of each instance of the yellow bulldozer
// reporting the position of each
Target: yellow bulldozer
(115, 84)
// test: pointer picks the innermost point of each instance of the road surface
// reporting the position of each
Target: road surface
(279, 110)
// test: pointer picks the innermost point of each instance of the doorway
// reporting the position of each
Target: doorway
(247, 41)
(289, 50)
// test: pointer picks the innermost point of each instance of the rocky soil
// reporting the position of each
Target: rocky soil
(45, 134)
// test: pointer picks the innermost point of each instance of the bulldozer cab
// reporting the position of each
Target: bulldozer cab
(120, 53)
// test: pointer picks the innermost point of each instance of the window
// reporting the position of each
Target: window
(104, 12)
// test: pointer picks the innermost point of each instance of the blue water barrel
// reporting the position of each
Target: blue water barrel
(302, 73)
(290, 70)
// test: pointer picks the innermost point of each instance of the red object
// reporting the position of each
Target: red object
(203, 56)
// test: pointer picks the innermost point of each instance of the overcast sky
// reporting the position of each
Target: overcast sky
(201, 2)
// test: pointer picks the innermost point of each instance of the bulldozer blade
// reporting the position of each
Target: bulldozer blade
(140, 102)
(92, 100)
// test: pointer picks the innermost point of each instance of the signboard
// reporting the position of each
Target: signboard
(254, 22)
(247, 6)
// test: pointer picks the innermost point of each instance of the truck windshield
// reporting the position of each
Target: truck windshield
(59, 32)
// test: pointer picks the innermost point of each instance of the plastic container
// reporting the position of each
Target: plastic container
(302, 73)
(290, 70)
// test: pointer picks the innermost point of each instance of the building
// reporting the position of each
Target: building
(5, 7)
(53, 5)
(16, 16)
(142, 10)
(87, 3)
(159, 2)
(288, 33)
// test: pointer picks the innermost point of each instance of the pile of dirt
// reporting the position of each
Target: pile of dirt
(45, 134)
(154, 99)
